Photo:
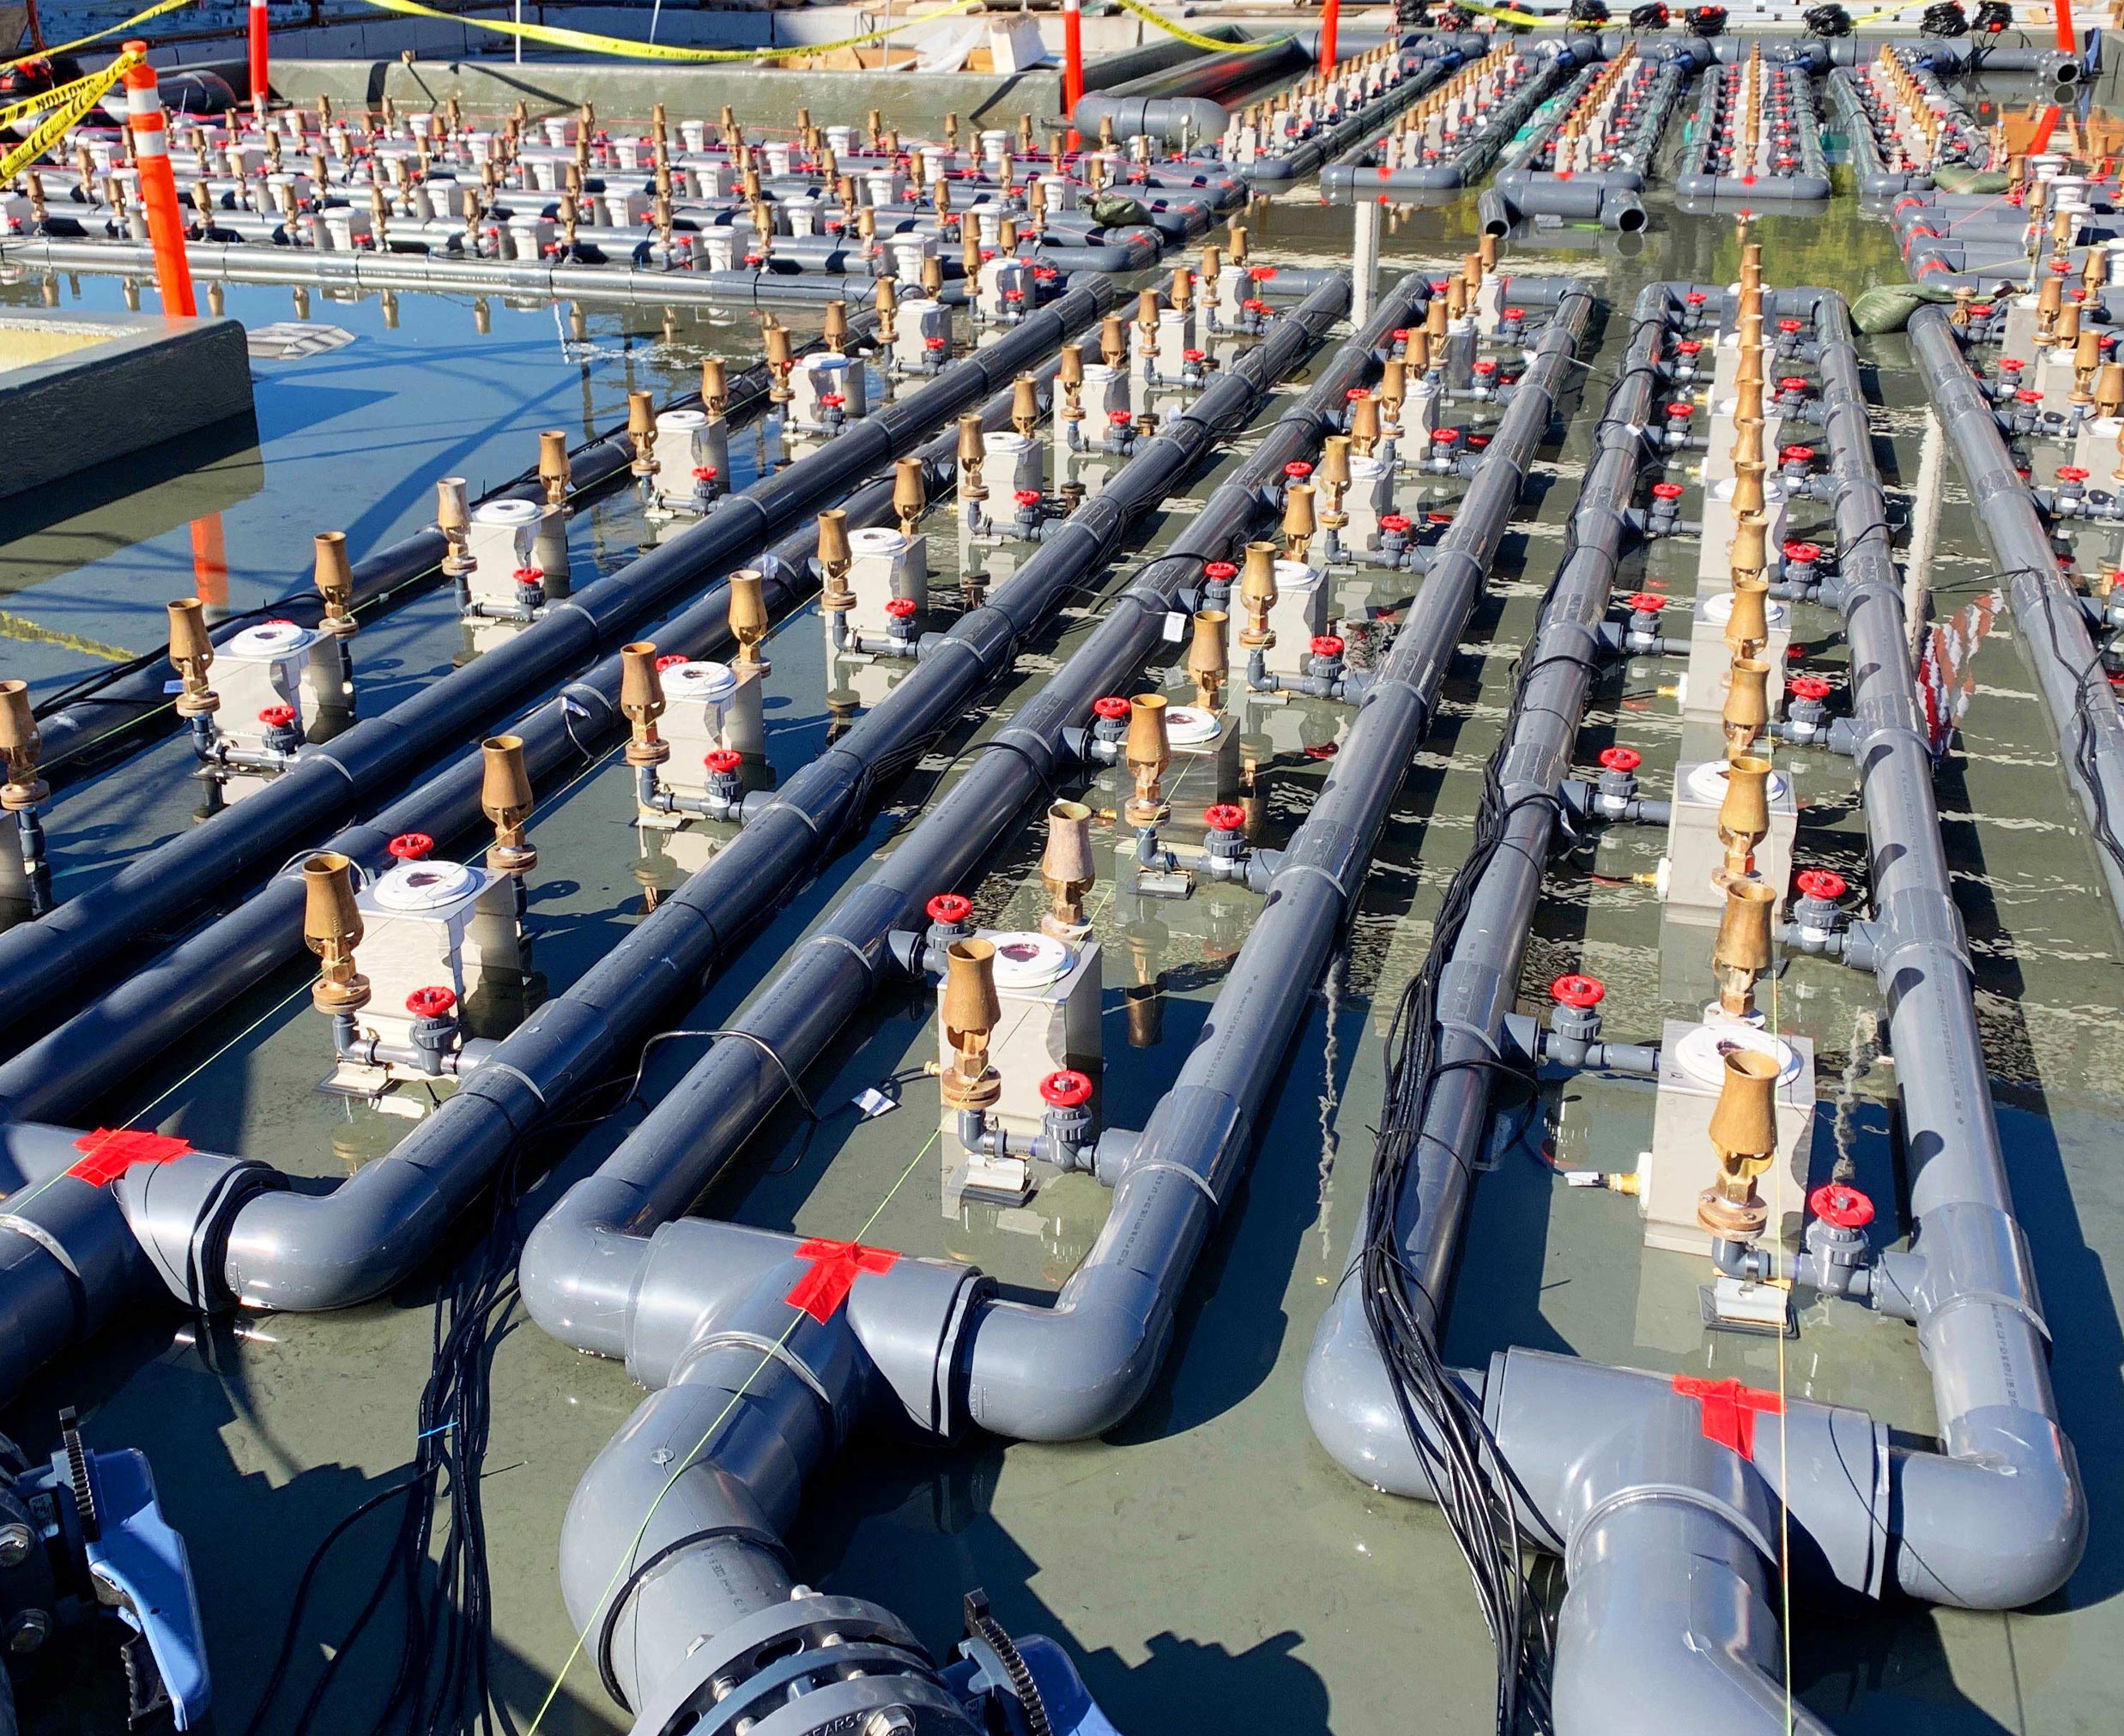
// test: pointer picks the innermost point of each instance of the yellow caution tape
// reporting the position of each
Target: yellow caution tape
(1505, 13)
(155, 11)
(1189, 36)
(591, 43)
(53, 127)
(58, 97)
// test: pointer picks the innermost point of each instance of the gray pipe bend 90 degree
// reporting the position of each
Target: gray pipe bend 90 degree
(1997, 1519)
(40, 961)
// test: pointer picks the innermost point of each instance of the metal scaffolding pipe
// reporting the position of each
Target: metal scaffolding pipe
(2084, 714)
(42, 961)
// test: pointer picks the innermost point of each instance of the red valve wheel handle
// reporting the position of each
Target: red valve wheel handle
(1066, 1089)
(1225, 816)
(1220, 571)
(722, 759)
(1113, 707)
(672, 661)
(277, 716)
(1327, 646)
(1645, 603)
(1821, 883)
(1576, 991)
(1808, 687)
(901, 609)
(430, 1003)
(1620, 759)
(411, 846)
(950, 909)
(1844, 1207)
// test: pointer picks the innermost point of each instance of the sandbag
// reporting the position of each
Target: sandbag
(1960, 177)
(1888, 307)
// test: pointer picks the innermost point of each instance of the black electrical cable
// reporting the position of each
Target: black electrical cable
(1475, 1489)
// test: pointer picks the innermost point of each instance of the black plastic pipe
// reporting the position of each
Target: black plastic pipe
(42, 962)
(124, 704)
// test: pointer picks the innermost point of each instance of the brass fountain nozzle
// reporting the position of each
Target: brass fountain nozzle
(781, 359)
(1208, 665)
(1113, 341)
(21, 745)
(1393, 390)
(970, 1010)
(553, 466)
(1070, 377)
(1333, 477)
(972, 449)
(1746, 715)
(1298, 522)
(334, 578)
(1742, 952)
(1418, 349)
(932, 278)
(1148, 752)
(1747, 628)
(1748, 495)
(1744, 811)
(453, 517)
(715, 390)
(1257, 596)
(835, 558)
(748, 616)
(641, 702)
(2110, 389)
(886, 301)
(505, 799)
(332, 928)
(1025, 405)
(191, 653)
(1065, 868)
(1364, 432)
(911, 494)
(836, 331)
(1744, 1133)
(641, 428)
(1748, 556)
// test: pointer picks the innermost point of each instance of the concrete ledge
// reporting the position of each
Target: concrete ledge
(145, 379)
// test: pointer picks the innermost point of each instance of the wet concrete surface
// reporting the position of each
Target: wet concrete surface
(1206, 1564)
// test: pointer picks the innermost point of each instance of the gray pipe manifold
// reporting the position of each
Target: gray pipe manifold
(1605, 195)
(1665, 1493)
(1797, 173)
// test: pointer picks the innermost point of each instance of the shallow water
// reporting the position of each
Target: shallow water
(1205, 1564)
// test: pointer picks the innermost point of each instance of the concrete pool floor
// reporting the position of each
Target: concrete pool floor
(1206, 1564)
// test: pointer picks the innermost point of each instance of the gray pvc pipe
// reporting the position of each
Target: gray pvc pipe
(1192, 101)
(2053, 630)
(40, 962)
(1350, 176)
(1077, 1368)
(61, 1275)
(59, 1077)
(1347, 1399)
(1999, 1519)
(128, 703)
(579, 1269)
(1363, 123)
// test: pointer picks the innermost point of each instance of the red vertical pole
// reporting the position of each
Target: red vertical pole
(158, 185)
(1072, 56)
(1073, 63)
(1330, 18)
(258, 56)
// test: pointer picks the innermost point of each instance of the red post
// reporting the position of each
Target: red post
(1330, 18)
(258, 56)
(209, 564)
(158, 185)
(1072, 64)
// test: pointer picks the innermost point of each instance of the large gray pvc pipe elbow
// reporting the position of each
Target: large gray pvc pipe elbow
(1668, 1626)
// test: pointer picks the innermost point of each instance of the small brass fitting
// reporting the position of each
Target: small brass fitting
(332, 928)
(1148, 752)
(1744, 1133)
(970, 1010)
(334, 578)
(748, 616)
(453, 517)
(1742, 952)
(1065, 868)
(911, 494)
(641, 702)
(505, 799)
(1209, 666)
(21, 744)
(1257, 596)
(191, 653)
(1744, 811)
(553, 466)
(835, 558)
